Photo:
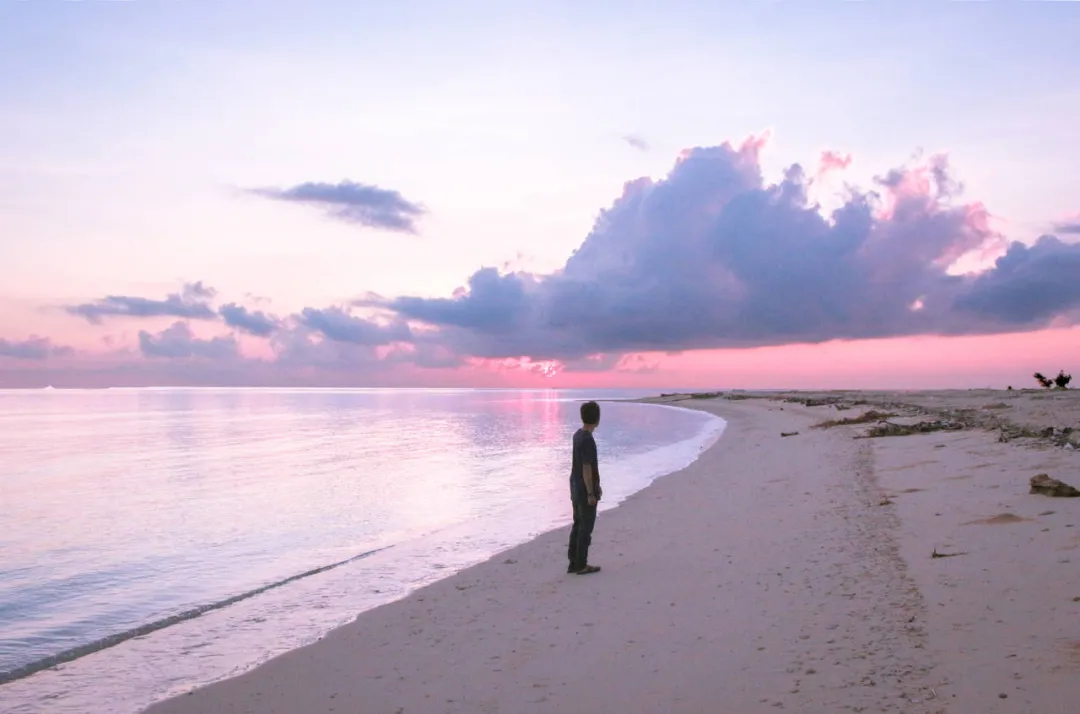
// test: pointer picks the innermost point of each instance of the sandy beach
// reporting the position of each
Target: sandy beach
(823, 571)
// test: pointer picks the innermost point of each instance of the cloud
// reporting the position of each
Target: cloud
(354, 203)
(714, 256)
(190, 303)
(1029, 284)
(492, 304)
(256, 323)
(198, 291)
(33, 349)
(833, 161)
(339, 326)
(1068, 228)
(599, 363)
(636, 142)
(354, 348)
(710, 256)
(333, 339)
(178, 342)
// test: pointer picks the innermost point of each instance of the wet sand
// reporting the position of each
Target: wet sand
(775, 573)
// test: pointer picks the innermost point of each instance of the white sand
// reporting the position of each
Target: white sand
(767, 575)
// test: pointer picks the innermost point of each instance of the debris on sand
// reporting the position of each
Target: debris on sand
(999, 519)
(869, 417)
(923, 427)
(789, 433)
(1061, 436)
(1046, 486)
(812, 402)
(936, 554)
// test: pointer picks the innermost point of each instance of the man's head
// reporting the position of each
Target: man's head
(590, 414)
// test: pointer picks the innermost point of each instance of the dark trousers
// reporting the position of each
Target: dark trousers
(581, 534)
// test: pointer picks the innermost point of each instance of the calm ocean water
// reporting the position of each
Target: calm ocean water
(157, 539)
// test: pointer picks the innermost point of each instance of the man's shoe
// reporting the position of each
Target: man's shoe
(588, 569)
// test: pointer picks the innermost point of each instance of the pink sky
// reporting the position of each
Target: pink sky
(994, 361)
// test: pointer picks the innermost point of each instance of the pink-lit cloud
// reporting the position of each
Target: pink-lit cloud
(713, 256)
(832, 161)
(711, 259)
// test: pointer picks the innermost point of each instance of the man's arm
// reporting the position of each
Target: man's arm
(590, 471)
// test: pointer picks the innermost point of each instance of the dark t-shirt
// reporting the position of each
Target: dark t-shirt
(584, 453)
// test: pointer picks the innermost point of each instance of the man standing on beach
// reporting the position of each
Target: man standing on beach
(584, 491)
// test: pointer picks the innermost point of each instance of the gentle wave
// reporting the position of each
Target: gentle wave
(112, 640)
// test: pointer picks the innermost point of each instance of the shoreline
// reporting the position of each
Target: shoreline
(475, 639)
(85, 656)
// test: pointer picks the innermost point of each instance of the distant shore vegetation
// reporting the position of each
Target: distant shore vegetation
(1059, 382)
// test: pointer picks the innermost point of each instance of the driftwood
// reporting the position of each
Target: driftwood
(936, 554)
(1043, 484)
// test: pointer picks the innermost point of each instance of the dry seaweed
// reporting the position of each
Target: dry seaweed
(923, 427)
(867, 418)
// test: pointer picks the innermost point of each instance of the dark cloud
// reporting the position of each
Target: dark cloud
(337, 325)
(197, 291)
(494, 303)
(178, 342)
(356, 346)
(33, 349)
(636, 142)
(1028, 285)
(354, 203)
(713, 256)
(256, 322)
(190, 303)
(301, 348)
(1068, 228)
(333, 339)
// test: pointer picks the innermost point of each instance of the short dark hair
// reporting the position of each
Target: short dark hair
(590, 413)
